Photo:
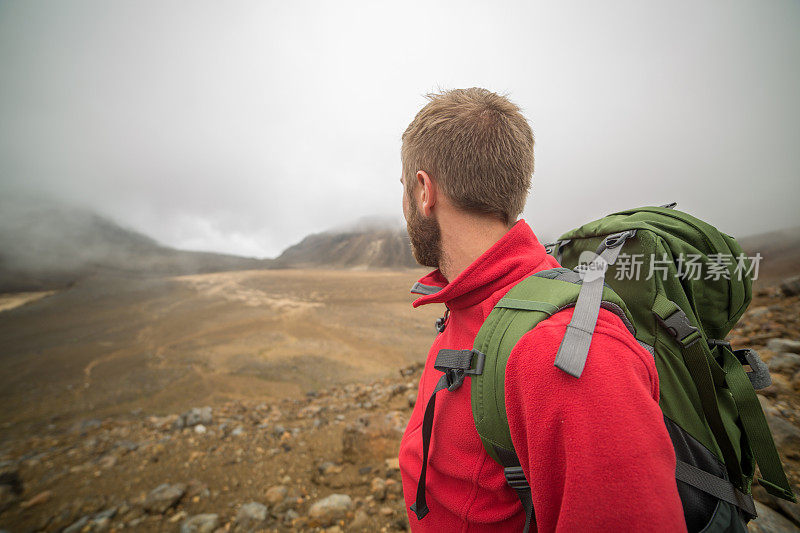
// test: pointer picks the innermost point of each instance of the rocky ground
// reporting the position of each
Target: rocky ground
(326, 461)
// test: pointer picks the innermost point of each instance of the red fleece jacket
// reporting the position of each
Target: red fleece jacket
(595, 449)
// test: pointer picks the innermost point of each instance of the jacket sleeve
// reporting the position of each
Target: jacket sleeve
(594, 449)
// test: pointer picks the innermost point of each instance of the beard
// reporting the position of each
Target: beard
(426, 237)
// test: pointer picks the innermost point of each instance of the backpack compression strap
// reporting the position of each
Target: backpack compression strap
(571, 356)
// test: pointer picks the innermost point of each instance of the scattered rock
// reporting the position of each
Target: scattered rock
(107, 461)
(770, 521)
(393, 488)
(164, 497)
(373, 437)
(330, 509)
(276, 494)
(42, 497)
(164, 422)
(251, 516)
(411, 398)
(201, 523)
(785, 363)
(378, 489)
(109, 513)
(327, 468)
(200, 429)
(791, 510)
(791, 286)
(360, 522)
(10, 488)
(196, 489)
(195, 416)
(786, 434)
(393, 464)
(783, 345)
(77, 526)
(755, 312)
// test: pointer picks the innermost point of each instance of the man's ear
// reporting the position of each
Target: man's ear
(428, 193)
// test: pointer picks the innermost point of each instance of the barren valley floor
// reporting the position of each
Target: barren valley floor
(114, 345)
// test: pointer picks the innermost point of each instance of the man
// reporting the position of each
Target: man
(594, 450)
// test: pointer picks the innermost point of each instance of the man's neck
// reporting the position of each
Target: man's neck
(465, 238)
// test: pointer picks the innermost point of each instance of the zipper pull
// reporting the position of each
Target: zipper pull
(441, 323)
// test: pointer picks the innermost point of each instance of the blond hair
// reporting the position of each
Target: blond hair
(477, 146)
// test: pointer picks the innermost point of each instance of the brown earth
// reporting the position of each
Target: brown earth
(300, 369)
(110, 345)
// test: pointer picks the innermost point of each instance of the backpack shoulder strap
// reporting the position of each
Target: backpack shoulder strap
(532, 300)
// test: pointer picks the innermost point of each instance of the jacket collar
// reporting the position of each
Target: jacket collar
(512, 257)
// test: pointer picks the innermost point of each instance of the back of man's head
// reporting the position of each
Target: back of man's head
(477, 146)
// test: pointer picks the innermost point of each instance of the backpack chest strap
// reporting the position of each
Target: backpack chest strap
(455, 364)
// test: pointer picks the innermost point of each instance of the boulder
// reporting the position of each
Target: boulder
(201, 523)
(195, 416)
(164, 497)
(78, 525)
(373, 438)
(328, 510)
(378, 488)
(770, 521)
(791, 286)
(785, 363)
(276, 494)
(783, 345)
(786, 434)
(251, 516)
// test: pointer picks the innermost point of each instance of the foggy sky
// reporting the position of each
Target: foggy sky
(243, 126)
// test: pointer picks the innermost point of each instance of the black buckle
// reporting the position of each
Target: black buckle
(718, 342)
(480, 360)
(455, 378)
(441, 322)
(515, 477)
(678, 326)
(458, 363)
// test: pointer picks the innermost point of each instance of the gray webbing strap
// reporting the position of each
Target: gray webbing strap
(715, 486)
(448, 359)
(419, 288)
(571, 356)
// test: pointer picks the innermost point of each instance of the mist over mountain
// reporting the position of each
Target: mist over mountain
(381, 245)
(46, 244)
(780, 252)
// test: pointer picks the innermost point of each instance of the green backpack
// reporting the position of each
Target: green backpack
(708, 400)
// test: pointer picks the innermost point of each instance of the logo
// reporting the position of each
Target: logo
(591, 266)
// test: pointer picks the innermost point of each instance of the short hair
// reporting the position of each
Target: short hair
(477, 146)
